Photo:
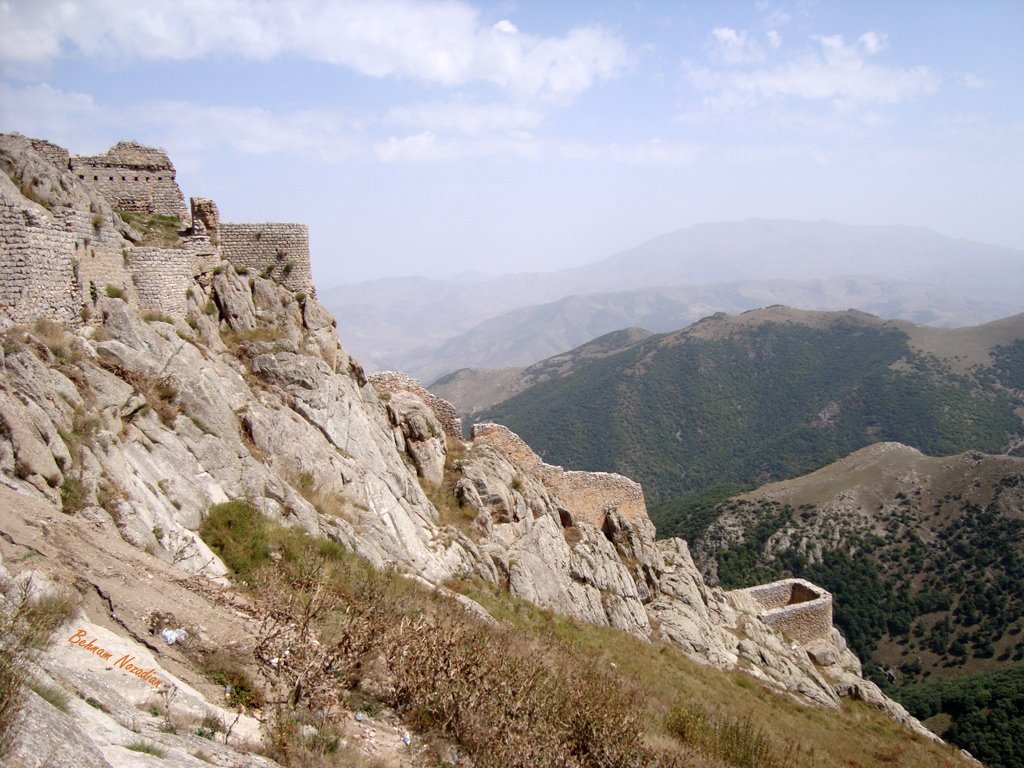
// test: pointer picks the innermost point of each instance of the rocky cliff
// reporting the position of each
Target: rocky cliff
(134, 424)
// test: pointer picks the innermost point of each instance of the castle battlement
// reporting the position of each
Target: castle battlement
(60, 246)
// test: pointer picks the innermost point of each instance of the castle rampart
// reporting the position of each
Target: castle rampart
(389, 382)
(56, 260)
(133, 178)
(589, 496)
(278, 251)
(799, 609)
(38, 278)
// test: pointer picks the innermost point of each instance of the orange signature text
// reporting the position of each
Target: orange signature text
(125, 662)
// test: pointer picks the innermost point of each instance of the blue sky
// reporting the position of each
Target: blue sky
(443, 137)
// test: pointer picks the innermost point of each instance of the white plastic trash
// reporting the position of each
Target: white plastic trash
(173, 636)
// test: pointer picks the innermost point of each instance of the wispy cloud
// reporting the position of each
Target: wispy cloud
(444, 43)
(835, 73)
(653, 152)
(468, 118)
(730, 46)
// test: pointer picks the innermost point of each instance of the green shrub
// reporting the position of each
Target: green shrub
(74, 496)
(237, 532)
(115, 292)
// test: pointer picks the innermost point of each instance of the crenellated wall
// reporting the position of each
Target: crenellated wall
(54, 261)
(280, 251)
(133, 178)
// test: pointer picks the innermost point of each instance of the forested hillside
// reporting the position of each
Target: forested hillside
(774, 393)
(925, 560)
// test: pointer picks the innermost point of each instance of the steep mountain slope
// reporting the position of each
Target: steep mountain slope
(906, 273)
(774, 393)
(474, 389)
(925, 556)
(214, 489)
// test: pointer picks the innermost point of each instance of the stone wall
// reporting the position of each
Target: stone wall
(54, 262)
(279, 251)
(51, 262)
(161, 277)
(389, 382)
(58, 156)
(589, 496)
(799, 609)
(132, 177)
(38, 277)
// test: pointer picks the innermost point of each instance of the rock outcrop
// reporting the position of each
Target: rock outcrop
(134, 425)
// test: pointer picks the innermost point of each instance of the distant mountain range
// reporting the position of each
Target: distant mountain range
(763, 395)
(430, 327)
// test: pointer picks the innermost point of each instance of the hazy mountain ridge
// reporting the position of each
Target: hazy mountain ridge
(430, 327)
(770, 394)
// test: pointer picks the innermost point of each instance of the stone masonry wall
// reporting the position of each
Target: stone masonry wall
(38, 275)
(278, 251)
(100, 253)
(589, 496)
(389, 382)
(799, 609)
(162, 276)
(133, 178)
(592, 495)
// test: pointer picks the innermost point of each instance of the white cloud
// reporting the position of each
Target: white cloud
(436, 42)
(732, 47)
(465, 118)
(873, 42)
(836, 73)
(653, 152)
(974, 82)
(774, 38)
(443, 132)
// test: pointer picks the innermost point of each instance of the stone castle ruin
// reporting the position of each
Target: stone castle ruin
(799, 609)
(68, 234)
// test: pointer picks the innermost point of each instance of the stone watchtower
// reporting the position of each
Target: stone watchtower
(135, 178)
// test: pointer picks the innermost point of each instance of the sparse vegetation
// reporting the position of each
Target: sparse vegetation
(146, 747)
(55, 697)
(114, 291)
(26, 624)
(536, 690)
(159, 231)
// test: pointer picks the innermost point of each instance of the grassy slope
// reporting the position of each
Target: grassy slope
(769, 394)
(613, 699)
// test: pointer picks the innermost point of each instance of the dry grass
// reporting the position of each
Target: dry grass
(536, 690)
(26, 624)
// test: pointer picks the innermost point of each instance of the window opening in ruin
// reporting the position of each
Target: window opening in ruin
(136, 178)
